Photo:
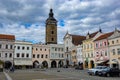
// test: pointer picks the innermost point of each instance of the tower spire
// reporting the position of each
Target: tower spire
(100, 30)
(51, 13)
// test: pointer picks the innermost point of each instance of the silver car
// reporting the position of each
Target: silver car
(94, 71)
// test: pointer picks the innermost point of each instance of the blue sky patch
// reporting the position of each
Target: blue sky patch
(27, 25)
(62, 23)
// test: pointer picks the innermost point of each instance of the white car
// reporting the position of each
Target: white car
(94, 71)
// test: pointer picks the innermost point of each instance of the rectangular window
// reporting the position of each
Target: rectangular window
(22, 54)
(118, 50)
(105, 53)
(42, 56)
(52, 39)
(6, 55)
(100, 44)
(0, 46)
(96, 45)
(10, 55)
(117, 41)
(40, 49)
(55, 49)
(18, 55)
(112, 42)
(88, 55)
(84, 46)
(27, 48)
(113, 51)
(59, 55)
(11, 46)
(61, 49)
(91, 45)
(33, 55)
(6, 47)
(27, 55)
(88, 46)
(0, 54)
(36, 49)
(91, 54)
(62, 55)
(45, 49)
(18, 47)
(46, 56)
(38, 55)
(23, 48)
(105, 43)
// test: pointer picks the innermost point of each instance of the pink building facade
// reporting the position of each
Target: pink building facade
(101, 49)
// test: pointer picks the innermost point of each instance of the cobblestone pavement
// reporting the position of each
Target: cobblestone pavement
(56, 74)
(2, 76)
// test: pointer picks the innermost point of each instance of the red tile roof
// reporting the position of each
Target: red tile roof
(77, 39)
(93, 34)
(104, 36)
(8, 37)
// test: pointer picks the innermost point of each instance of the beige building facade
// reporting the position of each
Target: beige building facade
(40, 55)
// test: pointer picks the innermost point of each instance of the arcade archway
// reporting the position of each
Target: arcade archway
(7, 64)
(45, 64)
(92, 63)
(35, 64)
(60, 63)
(86, 64)
(67, 62)
(53, 64)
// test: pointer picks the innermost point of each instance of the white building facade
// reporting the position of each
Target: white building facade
(114, 49)
(7, 49)
(23, 54)
(79, 54)
(57, 55)
(71, 47)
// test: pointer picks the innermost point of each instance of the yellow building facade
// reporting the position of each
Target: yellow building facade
(88, 49)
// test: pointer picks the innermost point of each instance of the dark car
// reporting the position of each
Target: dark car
(79, 67)
(109, 72)
(65, 66)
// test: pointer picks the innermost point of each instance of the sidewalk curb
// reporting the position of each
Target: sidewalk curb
(7, 76)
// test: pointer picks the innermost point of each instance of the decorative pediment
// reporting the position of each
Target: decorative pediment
(114, 35)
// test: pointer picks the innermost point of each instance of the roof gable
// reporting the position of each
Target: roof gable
(77, 39)
(104, 36)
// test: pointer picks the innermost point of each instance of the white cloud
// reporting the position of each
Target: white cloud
(80, 16)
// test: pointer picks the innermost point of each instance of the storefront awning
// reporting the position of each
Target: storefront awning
(112, 62)
(98, 62)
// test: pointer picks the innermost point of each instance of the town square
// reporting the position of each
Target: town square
(53, 74)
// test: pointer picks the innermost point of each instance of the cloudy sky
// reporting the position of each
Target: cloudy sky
(26, 18)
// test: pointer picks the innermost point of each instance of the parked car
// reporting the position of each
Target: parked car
(65, 66)
(109, 72)
(79, 67)
(94, 71)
